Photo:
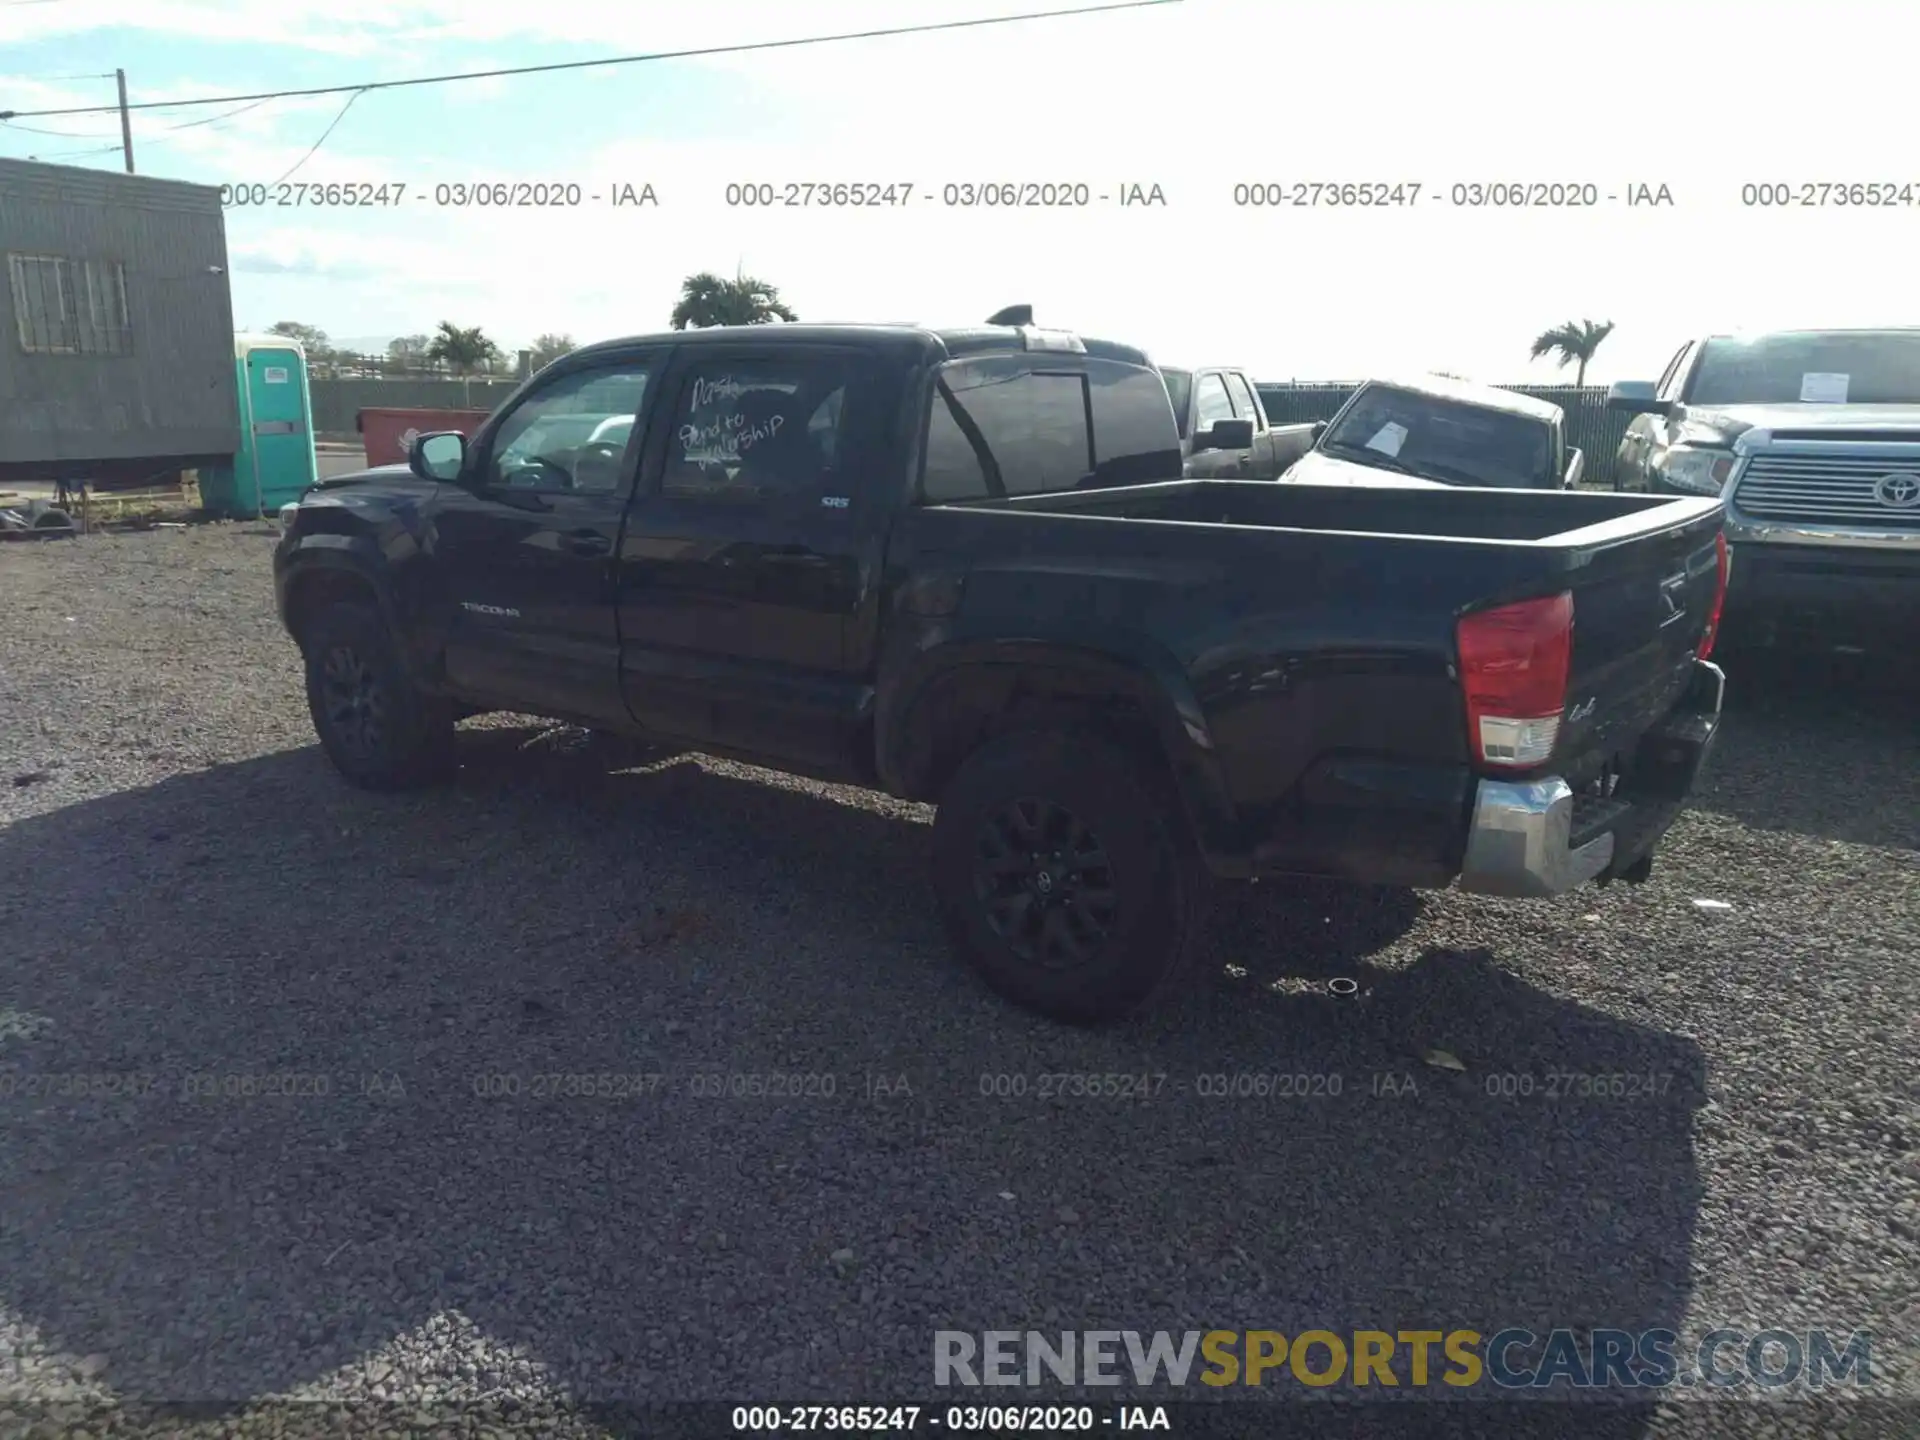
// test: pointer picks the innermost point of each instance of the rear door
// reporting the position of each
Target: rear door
(1258, 463)
(742, 564)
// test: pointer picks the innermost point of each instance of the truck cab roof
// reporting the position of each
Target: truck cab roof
(935, 344)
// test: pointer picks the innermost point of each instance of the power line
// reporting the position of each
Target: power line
(216, 119)
(51, 79)
(75, 154)
(36, 130)
(595, 64)
(164, 130)
(323, 134)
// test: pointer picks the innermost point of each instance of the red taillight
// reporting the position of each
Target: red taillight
(1514, 663)
(1723, 562)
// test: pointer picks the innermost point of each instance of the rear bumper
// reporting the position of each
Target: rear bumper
(1535, 838)
(1521, 841)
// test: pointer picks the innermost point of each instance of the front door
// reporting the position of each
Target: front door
(1211, 402)
(526, 542)
(743, 565)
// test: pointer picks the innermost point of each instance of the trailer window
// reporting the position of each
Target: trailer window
(67, 306)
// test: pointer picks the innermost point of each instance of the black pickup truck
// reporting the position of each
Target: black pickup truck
(961, 566)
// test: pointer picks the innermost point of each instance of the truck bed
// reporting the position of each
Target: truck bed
(1315, 625)
(1458, 513)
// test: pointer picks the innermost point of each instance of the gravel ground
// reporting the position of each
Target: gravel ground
(188, 896)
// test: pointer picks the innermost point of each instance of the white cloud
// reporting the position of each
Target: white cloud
(1196, 97)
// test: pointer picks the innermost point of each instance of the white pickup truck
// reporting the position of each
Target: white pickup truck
(1438, 431)
(1224, 434)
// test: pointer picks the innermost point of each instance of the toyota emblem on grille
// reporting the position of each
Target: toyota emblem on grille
(1900, 491)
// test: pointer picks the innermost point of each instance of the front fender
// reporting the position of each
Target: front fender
(387, 571)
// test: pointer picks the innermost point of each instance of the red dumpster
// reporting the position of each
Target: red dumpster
(388, 434)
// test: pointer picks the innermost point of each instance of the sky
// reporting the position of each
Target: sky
(1195, 98)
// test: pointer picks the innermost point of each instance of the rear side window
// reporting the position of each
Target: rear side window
(997, 430)
(1214, 404)
(761, 429)
(1242, 399)
(1015, 425)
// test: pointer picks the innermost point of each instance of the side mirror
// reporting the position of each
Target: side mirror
(1229, 435)
(1319, 429)
(1637, 397)
(438, 456)
(1576, 467)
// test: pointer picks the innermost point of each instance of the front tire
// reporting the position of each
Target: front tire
(380, 730)
(1066, 875)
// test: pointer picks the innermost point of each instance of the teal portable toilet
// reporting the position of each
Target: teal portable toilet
(275, 462)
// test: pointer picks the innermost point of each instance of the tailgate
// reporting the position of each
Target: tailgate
(1640, 610)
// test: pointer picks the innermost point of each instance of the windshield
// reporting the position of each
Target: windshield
(1866, 368)
(1445, 440)
(1179, 391)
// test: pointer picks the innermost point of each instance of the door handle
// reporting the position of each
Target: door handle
(588, 542)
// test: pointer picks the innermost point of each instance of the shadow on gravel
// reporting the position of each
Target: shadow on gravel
(401, 962)
(1820, 745)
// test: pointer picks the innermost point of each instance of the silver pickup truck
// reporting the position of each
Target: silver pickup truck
(1812, 440)
(1224, 431)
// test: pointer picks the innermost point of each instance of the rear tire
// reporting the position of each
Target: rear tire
(379, 729)
(1067, 876)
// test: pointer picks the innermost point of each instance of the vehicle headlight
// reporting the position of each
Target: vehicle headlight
(1699, 469)
(287, 512)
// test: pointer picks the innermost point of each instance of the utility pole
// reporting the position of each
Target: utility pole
(126, 121)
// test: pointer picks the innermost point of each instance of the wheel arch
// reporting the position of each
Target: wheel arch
(961, 695)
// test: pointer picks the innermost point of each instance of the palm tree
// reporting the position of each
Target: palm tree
(1574, 342)
(463, 351)
(707, 299)
(549, 348)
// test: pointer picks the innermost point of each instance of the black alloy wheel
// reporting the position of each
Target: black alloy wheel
(355, 701)
(1045, 883)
